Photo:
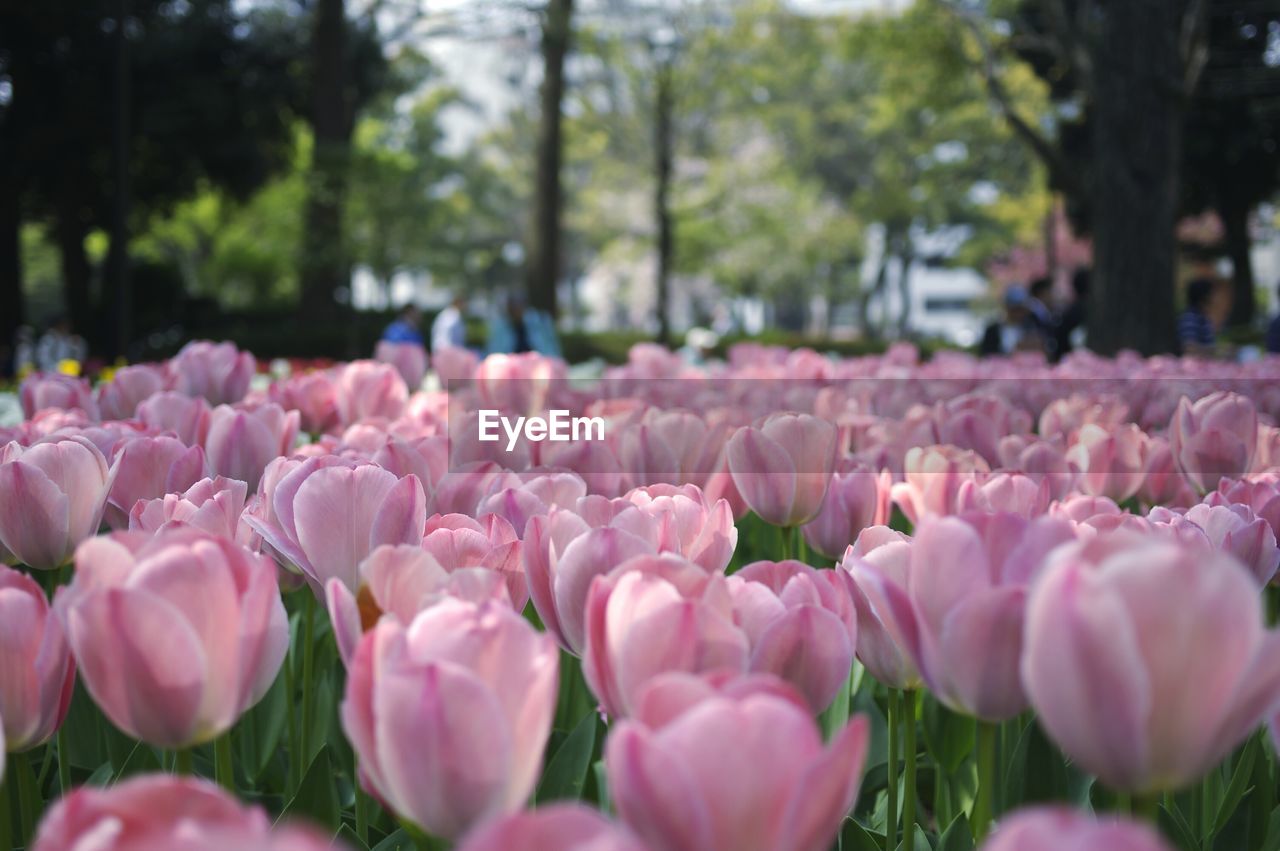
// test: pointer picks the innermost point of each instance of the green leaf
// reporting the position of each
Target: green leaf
(948, 735)
(101, 775)
(834, 718)
(602, 786)
(1239, 785)
(397, 841)
(855, 837)
(259, 731)
(317, 799)
(566, 774)
(1173, 825)
(957, 837)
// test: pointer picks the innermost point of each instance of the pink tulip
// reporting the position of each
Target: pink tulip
(961, 611)
(689, 524)
(128, 388)
(783, 465)
(857, 497)
(882, 645)
(409, 359)
(532, 494)
(1267, 457)
(735, 775)
(35, 690)
(457, 542)
(46, 391)
(1062, 829)
(654, 614)
(1214, 436)
(449, 715)
(1162, 484)
(1005, 493)
(312, 395)
(186, 417)
(176, 635)
(667, 696)
(242, 441)
(216, 372)
(401, 581)
(212, 505)
(517, 384)
(1260, 493)
(425, 457)
(148, 468)
(324, 515)
(564, 827)
(801, 623)
(1235, 529)
(1111, 462)
(52, 495)
(156, 811)
(563, 553)
(1147, 664)
(367, 389)
(1041, 460)
(664, 446)
(1063, 418)
(454, 364)
(933, 479)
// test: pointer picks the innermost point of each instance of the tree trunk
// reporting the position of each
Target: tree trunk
(1137, 133)
(878, 285)
(325, 264)
(907, 259)
(71, 230)
(542, 269)
(117, 296)
(663, 157)
(1235, 222)
(12, 304)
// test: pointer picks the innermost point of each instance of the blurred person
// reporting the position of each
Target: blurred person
(1039, 299)
(406, 327)
(1273, 329)
(19, 359)
(449, 329)
(59, 344)
(1195, 328)
(519, 328)
(1071, 324)
(1016, 331)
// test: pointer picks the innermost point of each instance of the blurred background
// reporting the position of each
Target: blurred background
(289, 173)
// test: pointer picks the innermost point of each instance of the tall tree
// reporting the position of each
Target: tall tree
(543, 252)
(325, 262)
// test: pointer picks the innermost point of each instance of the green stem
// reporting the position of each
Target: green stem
(908, 713)
(295, 775)
(891, 798)
(802, 547)
(28, 796)
(788, 535)
(1273, 604)
(424, 841)
(64, 761)
(308, 663)
(986, 779)
(1146, 807)
(182, 762)
(6, 817)
(362, 815)
(1207, 805)
(223, 767)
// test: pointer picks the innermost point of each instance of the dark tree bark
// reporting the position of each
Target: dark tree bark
(1137, 133)
(118, 290)
(1235, 222)
(325, 265)
(663, 158)
(70, 230)
(12, 304)
(542, 269)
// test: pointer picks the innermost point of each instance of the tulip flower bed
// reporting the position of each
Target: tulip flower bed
(785, 603)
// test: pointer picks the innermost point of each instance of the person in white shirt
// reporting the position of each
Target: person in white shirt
(449, 329)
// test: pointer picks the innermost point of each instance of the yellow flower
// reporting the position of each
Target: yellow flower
(70, 367)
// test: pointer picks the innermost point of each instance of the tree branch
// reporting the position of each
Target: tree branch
(1045, 149)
